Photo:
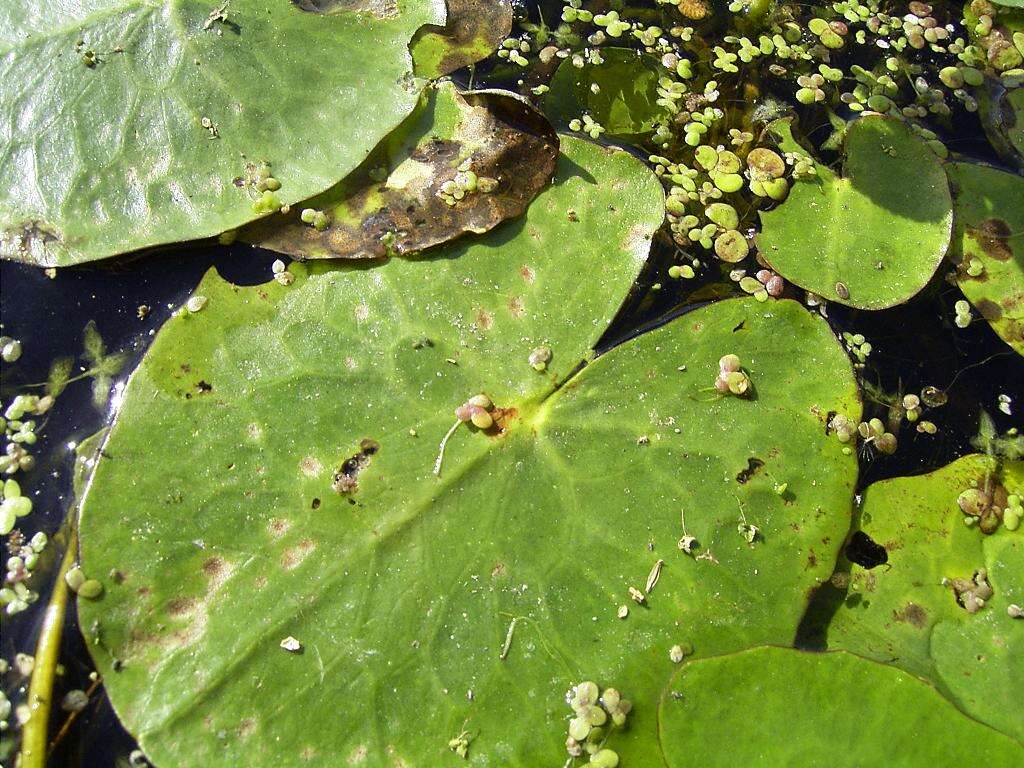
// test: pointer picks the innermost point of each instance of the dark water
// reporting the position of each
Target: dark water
(915, 345)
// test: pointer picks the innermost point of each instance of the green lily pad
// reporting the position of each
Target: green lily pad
(774, 706)
(472, 31)
(873, 237)
(903, 614)
(1002, 117)
(989, 229)
(149, 143)
(625, 105)
(396, 201)
(307, 505)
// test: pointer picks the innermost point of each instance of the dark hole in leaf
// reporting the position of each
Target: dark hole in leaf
(754, 466)
(346, 479)
(865, 551)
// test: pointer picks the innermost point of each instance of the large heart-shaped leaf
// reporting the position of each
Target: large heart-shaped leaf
(906, 615)
(401, 199)
(773, 706)
(307, 504)
(873, 237)
(988, 245)
(626, 95)
(134, 136)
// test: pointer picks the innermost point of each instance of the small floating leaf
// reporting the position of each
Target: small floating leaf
(473, 30)
(989, 245)
(775, 706)
(903, 614)
(625, 101)
(880, 230)
(1002, 117)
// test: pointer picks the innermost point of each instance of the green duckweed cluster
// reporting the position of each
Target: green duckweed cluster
(596, 714)
(725, 75)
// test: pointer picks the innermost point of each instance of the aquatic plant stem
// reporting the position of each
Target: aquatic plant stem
(40, 690)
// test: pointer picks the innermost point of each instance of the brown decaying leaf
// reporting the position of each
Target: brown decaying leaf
(497, 136)
(474, 29)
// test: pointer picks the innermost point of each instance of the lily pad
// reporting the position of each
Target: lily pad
(903, 614)
(626, 102)
(141, 146)
(1002, 117)
(397, 201)
(773, 706)
(473, 29)
(307, 505)
(873, 237)
(989, 231)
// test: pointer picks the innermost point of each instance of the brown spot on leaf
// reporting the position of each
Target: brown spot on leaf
(912, 613)
(292, 557)
(33, 241)
(527, 273)
(246, 727)
(278, 527)
(484, 320)
(992, 236)
(181, 606)
(310, 466)
(516, 306)
(637, 242)
(217, 570)
(989, 310)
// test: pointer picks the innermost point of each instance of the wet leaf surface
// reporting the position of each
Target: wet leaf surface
(773, 706)
(873, 237)
(990, 231)
(474, 28)
(397, 201)
(143, 146)
(307, 504)
(904, 615)
(624, 105)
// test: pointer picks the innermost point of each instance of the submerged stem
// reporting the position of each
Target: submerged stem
(40, 689)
